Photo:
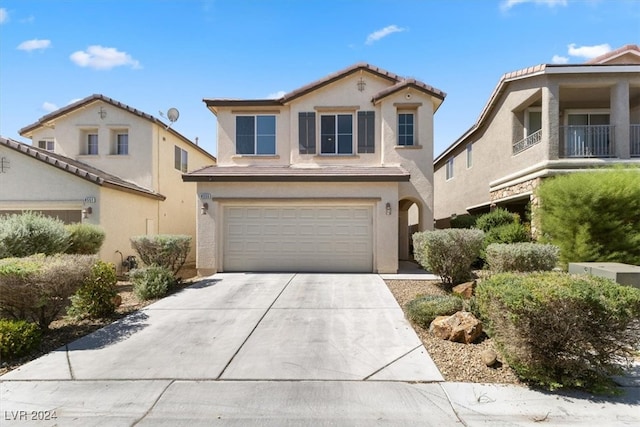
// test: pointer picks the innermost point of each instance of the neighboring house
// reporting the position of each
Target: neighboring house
(321, 179)
(540, 122)
(101, 162)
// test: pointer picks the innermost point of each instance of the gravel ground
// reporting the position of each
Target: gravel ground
(457, 362)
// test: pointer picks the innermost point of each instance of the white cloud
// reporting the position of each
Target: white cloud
(276, 95)
(558, 59)
(379, 34)
(508, 4)
(35, 44)
(103, 58)
(588, 52)
(74, 100)
(4, 15)
(49, 107)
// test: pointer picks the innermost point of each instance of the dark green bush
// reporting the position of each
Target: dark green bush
(496, 218)
(18, 338)
(522, 257)
(151, 282)
(509, 233)
(559, 330)
(96, 298)
(423, 310)
(169, 251)
(31, 233)
(38, 287)
(592, 216)
(85, 239)
(448, 253)
(464, 221)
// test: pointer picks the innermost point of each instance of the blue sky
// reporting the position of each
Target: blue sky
(153, 55)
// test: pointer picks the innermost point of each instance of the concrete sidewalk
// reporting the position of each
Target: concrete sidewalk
(274, 350)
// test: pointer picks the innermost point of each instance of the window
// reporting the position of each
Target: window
(181, 159)
(92, 144)
(47, 144)
(449, 171)
(405, 129)
(533, 121)
(336, 134)
(122, 144)
(256, 135)
(469, 155)
(307, 133)
(366, 131)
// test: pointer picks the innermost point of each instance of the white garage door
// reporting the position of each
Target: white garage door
(298, 238)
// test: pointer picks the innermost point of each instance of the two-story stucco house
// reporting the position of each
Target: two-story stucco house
(539, 122)
(321, 179)
(102, 162)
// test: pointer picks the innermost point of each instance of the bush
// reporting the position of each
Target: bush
(38, 287)
(464, 221)
(592, 216)
(168, 251)
(521, 257)
(96, 298)
(31, 233)
(423, 310)
(18, 338)
(151, 282)
(560, 330)
(448, 253)
(496, 218)
(509, 233)
(85, 239)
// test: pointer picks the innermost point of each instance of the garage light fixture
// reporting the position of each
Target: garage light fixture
(86, 212)
(204, 208)
(388, 208)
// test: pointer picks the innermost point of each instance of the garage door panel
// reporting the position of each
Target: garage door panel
(298, 238)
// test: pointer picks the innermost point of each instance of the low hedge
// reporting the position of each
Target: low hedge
(423, 310)
(97, 296)
(18, 338)
(165, 250)
(151, 282)
(502, 257)
(561, 330)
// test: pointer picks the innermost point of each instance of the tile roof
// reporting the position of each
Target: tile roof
(79, 169)
(298, 174)
(42, 121)
(629, 48)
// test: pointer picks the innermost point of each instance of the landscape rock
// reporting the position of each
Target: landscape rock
(465, 290)
(460, 327)
(489, 357)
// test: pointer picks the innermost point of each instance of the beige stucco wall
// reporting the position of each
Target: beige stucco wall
(210, 230)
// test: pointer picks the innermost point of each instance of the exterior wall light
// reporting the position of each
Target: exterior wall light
(204, 208)
(86, 212)
(388, 208)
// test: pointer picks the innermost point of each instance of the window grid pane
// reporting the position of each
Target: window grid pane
(336, 134)
(122, 144)
(177, 158)
(266, 135)
(307, 133)
(405, 129)
(92, 144)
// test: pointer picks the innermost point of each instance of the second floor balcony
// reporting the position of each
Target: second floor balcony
(587, 141)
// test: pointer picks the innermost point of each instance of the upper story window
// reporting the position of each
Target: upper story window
(256, 135)
(336, 134)
(307, 133)
(469, 155)
(406, 135)
(122, 144)
(181, 159)
(533, 121)
(449, 169)
(47, 144)
(92, 144)
(366, 131)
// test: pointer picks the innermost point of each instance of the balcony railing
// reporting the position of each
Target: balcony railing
(527, 142)
(634, 140)
(587, 141)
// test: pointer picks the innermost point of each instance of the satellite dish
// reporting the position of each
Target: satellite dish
(173, 114)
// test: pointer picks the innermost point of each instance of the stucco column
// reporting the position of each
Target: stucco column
(403, 234)
(551, 118)
(206, 248)
(620, 118)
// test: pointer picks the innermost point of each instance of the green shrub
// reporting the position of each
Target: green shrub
(522, 257)
(96, 298)
(509, 233)
(85, 239)
(464, 221)
(448, 253)
(38, 287)
(496, 218)
(151, 282)
(169, 251)
(18, 338)
(559, 330)
(423, 310)
(31, 233)
(592, 216)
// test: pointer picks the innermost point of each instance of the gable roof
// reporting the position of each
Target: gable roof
(44, 120)
(397, 81)
(629, 50)
(79, 169)
(536, 70)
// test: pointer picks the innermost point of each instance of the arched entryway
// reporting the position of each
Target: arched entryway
(408, 223)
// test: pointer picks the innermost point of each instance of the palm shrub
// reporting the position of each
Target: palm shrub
(37, 288)
(97, 296)
(18, 338)
(151, 282)
(448, 253)
(592, 216)
(165, 250)
(561, 330)
(31, 233)
(503, 257)
(424, 310)
(85, 239)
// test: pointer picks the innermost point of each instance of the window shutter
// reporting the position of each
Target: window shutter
(307, 133)
(366, 131)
